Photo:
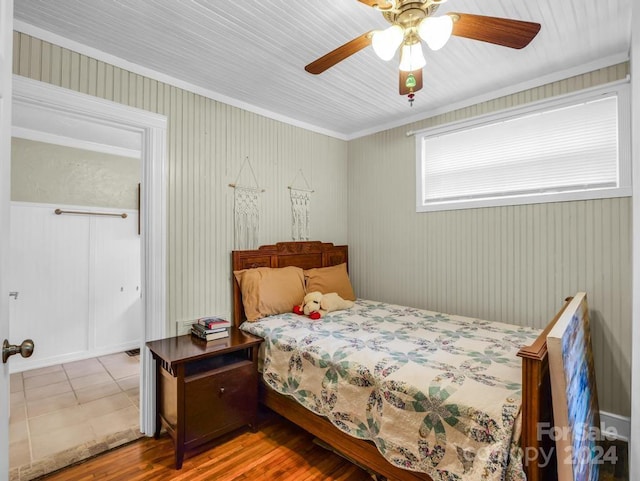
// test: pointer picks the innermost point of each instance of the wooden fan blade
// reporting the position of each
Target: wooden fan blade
(499, 31)
(404, 90)
(379, 4)
(339, 54)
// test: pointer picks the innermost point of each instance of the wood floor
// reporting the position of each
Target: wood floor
(277, 451)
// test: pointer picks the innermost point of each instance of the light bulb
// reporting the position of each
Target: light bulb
(386, 42)
(412, 58)
(436, 31)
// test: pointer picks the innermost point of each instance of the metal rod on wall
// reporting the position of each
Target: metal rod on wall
(60, 211)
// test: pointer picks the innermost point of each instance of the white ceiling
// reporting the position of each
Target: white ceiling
(252, 53)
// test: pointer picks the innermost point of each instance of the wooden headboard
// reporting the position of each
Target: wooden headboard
(305, 254)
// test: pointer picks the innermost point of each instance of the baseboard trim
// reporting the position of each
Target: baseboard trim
(615, 426)
(72, 357)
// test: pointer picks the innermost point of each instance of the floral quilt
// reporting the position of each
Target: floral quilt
(436, 393)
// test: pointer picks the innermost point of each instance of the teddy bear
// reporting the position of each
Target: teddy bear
(316, 305)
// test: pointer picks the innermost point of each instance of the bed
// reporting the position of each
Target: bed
(478, 445)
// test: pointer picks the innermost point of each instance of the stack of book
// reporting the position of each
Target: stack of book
(210, 328)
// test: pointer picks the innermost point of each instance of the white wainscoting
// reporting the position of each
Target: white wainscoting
(78, 283)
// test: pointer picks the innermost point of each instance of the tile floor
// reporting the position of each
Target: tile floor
(65, 413)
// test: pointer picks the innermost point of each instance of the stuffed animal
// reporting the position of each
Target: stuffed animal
(316, 305)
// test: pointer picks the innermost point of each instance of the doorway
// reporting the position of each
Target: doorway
(59, 115)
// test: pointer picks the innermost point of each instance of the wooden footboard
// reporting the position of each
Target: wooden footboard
(540, 462)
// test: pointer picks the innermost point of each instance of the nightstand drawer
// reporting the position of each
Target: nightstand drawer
(220, 401)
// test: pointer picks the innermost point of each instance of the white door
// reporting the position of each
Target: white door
(117, 306)
(49, 272)
(6, 37)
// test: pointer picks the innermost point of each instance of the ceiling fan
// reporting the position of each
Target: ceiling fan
(413, 21)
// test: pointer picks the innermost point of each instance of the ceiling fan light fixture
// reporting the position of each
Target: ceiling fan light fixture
(436, 31)
(412, 57)
(386, 42)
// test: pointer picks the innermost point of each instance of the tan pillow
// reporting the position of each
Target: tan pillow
(330, 279)
(267, 291)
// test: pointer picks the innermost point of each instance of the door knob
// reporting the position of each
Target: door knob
(25, 349)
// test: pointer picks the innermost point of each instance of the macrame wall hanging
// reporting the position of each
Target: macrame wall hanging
(246, 211)
(300, 209)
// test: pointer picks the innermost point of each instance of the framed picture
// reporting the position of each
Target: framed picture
(574, 396)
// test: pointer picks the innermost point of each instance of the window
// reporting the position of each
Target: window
(575, 147)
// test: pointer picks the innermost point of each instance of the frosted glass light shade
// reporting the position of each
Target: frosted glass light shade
(386, 42)
(412, 58)
(436, 31)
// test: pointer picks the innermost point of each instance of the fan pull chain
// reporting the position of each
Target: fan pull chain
(410, 83)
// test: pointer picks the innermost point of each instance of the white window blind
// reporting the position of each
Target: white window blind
(561, 149)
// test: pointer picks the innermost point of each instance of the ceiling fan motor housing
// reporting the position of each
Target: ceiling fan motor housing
(408, 14)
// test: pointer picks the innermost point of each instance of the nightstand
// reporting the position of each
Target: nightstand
(205, 389)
